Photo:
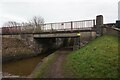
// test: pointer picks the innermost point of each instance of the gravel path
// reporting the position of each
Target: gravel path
(56, 67)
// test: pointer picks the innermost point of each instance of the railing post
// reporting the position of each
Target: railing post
(93, 23)
(51, 28)
(71, 26)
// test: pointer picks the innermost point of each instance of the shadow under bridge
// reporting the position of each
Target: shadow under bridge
(57, 40)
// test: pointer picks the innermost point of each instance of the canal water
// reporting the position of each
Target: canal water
(22, 67)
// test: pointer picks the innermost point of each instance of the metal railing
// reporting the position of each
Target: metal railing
(51, 27)
(73, 25)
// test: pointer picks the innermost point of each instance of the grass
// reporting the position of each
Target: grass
(98, 59)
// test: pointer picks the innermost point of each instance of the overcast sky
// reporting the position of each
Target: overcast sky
(119, 10)
(57, 10)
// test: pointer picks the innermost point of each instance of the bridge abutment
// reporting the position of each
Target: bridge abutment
(29, 40)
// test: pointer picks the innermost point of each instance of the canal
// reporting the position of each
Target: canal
(23, 67)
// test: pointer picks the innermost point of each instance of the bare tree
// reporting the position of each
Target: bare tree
(27, 27)
(37, 22)
(11, 27)
(11, 24)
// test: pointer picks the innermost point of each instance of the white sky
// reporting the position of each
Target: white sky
(119, 11)
(57, 10)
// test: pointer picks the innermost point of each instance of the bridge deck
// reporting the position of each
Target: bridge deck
(56, 35)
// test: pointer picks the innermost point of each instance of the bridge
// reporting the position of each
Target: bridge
(71, 29)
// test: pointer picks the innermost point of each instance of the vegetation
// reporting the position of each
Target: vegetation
(45, 66)
(98, 59)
